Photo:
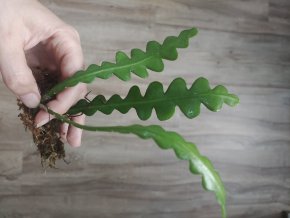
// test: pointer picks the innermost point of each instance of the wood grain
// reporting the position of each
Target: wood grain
(242, 44)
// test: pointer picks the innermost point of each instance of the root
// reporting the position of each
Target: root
(46, 138)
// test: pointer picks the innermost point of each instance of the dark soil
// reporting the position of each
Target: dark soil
(46, 138)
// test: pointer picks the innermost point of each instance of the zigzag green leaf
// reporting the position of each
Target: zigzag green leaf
(184, 150)
(138, 64)
(177, 94)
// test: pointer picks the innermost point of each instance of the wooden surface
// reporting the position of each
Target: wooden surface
(242, 44)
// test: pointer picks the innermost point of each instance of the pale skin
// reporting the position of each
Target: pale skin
(31, 35)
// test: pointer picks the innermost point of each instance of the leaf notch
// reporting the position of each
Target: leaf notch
(188, 100)
(138, 64)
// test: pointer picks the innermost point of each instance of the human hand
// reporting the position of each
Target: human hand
(31, 35)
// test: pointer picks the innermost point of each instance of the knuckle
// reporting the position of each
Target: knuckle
(72, 32)
(17, 83)
(11, 82)
(66, 31)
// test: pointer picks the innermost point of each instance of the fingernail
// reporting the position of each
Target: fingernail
(31, 100)
(41, 123)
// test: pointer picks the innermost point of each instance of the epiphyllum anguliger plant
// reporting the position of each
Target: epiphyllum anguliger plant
(164, 103)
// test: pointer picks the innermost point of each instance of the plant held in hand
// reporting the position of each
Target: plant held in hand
(164, 102)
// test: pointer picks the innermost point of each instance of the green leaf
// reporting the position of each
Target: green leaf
(138, 64)
(177, 94)
(184, 150)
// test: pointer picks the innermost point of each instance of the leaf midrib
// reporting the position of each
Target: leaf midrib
(152, 101)
(198, 157)
(87, 74)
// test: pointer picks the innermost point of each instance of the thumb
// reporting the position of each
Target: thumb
(17, 76)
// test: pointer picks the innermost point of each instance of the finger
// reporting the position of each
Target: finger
(63, 131)
(66, 47)
(16, 75)
(62, 103)
(74, 134)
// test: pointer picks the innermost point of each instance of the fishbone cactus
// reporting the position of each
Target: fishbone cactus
(164, 103)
